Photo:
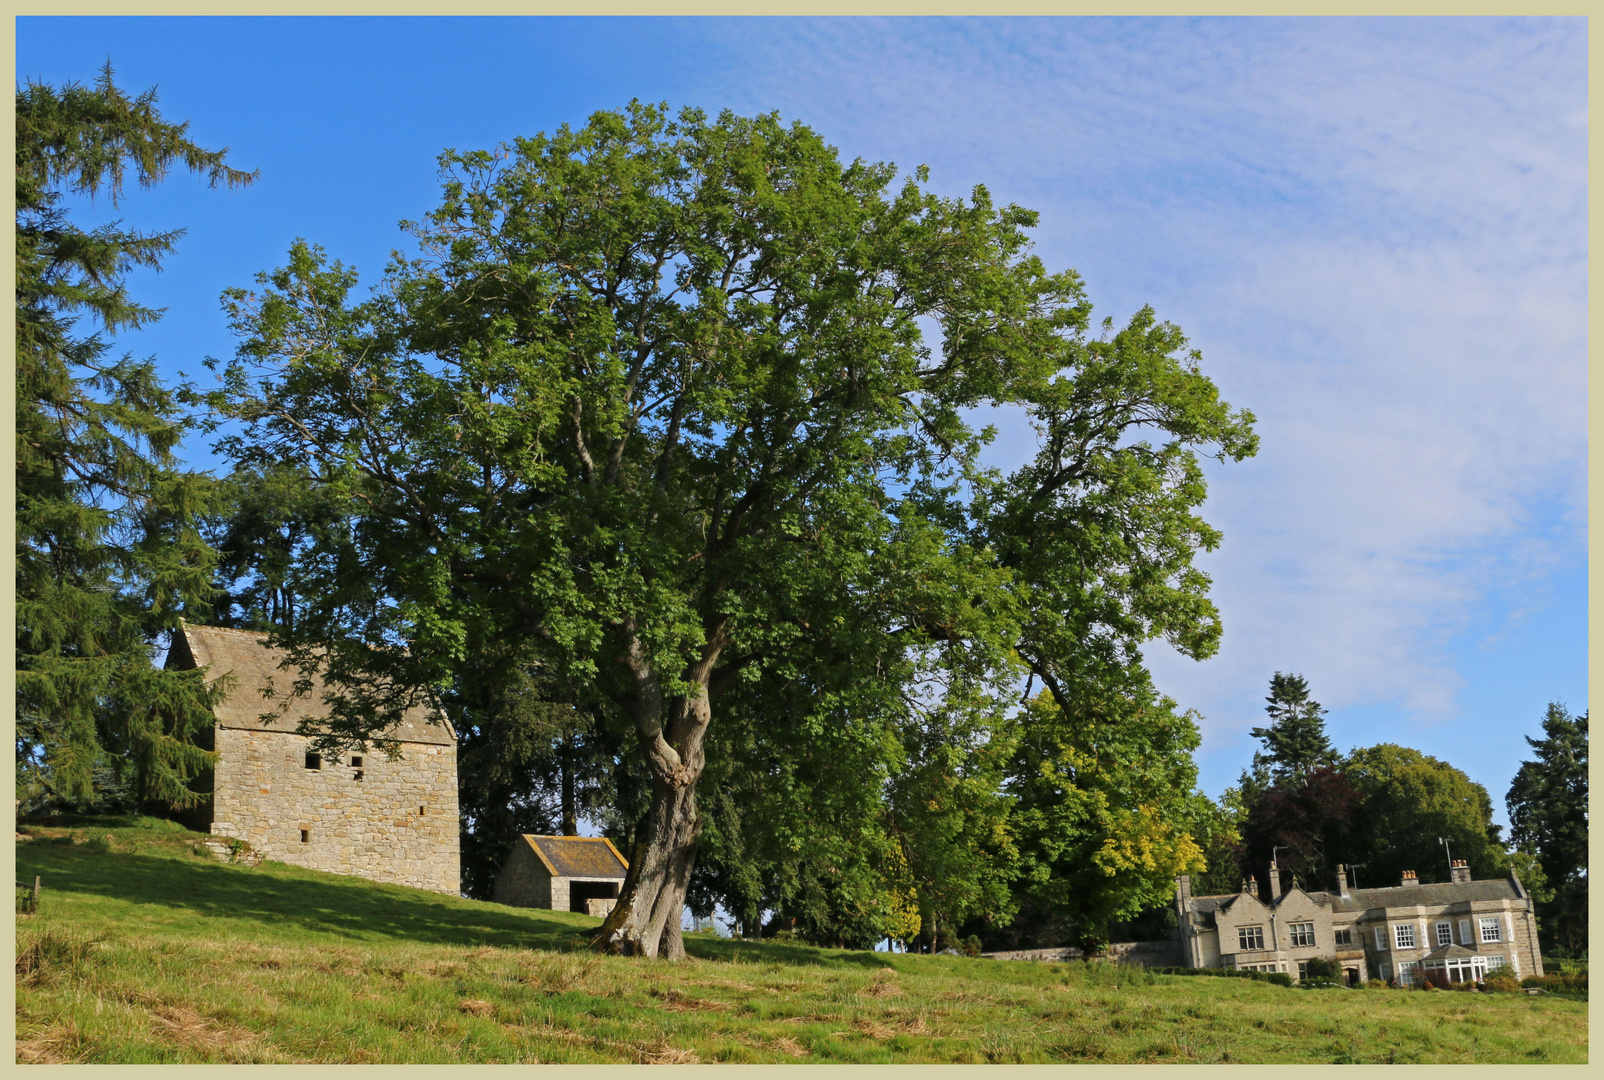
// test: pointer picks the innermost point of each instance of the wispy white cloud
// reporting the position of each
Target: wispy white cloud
(1376, 232)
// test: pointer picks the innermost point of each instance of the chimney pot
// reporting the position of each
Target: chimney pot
(1409, 878)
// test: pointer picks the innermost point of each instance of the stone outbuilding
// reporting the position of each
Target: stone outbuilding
(359, 812)
(563, 873)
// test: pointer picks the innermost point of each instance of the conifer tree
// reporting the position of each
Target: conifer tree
(108, 552)
(1295, 742)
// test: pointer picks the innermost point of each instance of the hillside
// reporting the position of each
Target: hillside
(144, 950)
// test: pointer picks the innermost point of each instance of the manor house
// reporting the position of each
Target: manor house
(1452, 931)
(358, 812)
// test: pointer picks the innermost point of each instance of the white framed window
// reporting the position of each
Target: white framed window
(1302, 934)
(1381, 939)
(1386, 972)
(1403, 936)
(1490, 931)
(1494, 962)
(1445, 933)
(1464, 931)
(1250, 938)
(1303, 970)
(1408, 974)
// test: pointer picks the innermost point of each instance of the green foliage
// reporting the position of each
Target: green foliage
(1295, 742)
(1411, 799)
(657, 412)
(1547, 806)
(109, 553)
(1107, 808)
(1323, 967)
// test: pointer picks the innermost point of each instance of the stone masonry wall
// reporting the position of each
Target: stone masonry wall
(397, 824)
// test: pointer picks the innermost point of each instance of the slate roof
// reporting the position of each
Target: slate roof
(256, 667)
(578, 856)
(1433, 895)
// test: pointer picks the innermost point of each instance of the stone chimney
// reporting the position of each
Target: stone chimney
(1275, 881)
(1251, 887)
(1459, 871)
(1409, 878)
(1342, 881)
(1183, 890)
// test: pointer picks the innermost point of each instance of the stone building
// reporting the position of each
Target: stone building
(563, 873)
(360, 812)
(1452, 931)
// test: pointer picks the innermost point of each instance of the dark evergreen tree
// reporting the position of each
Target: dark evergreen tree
(109, 553)
(1548, 817)
(1295, 742)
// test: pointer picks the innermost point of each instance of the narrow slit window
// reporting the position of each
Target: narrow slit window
(420, 811)
(306, 836)
(314, 761)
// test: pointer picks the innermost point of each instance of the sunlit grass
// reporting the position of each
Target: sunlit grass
(144, 951)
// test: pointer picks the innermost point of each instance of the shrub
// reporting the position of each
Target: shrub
(1377, 984)
(1559, 982)
(1312, 983)
(1501, 982)
(1323, 967)
(971, 945)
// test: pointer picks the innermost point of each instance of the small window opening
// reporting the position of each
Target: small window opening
(358, 776)
(420, 811)
(306, 836)
(356, 761)
(314, 761)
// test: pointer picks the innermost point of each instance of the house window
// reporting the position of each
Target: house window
(356, 761)
(1489, 930)
(1464, 931)
(1403, 936)
(1445, 933)
(1386, 972)
(1303, 970)
(1494, 963)
(1381, 940)
(1250, 937)
(314, 761)
(1344, 937)
(1302, 934)
(306, 836)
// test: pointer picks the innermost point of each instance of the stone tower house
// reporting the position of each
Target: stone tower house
(358, 813)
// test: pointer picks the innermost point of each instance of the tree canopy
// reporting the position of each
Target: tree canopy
(1547, 805)
(108, 547)
(680, 407)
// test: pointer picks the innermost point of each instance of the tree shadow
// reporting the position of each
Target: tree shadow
(283, 897)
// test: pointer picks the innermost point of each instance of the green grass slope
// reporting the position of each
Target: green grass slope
(144, 950)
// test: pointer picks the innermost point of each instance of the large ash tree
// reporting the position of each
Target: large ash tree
(658, 406)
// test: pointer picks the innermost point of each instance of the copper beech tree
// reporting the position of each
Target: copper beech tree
(670, 403)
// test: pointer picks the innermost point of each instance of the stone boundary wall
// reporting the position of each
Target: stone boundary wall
(397, 823)
(1145, 953)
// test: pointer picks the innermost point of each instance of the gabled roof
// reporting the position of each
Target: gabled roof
(1433, 895)
(578, 856)
(256, 668)
(1450, 952)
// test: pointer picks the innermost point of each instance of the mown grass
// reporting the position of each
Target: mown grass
(144, 951)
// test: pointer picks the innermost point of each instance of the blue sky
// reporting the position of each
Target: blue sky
(1374, 230)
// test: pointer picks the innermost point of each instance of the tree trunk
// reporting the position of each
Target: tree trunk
(646, 919)
(565, 761)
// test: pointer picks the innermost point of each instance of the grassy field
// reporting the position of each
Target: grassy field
(143, 950)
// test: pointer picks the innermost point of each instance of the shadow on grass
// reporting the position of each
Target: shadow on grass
(282, 897)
